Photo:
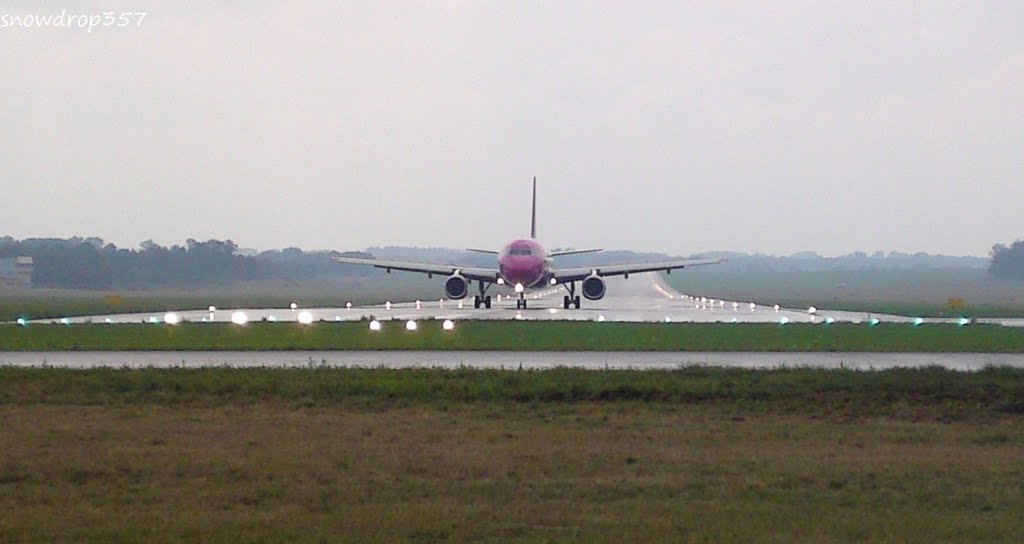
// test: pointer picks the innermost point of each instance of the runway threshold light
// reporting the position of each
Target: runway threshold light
(410, 325)
(171, 318)
(873, 321)
(448, 325)
(239, 318)
(918, 321)
(22, 321)
(830, 320)
(374, 325)
(305, 318)
(783, 320)
(963, 321)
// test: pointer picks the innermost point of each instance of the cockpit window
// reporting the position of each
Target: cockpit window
(520, 251)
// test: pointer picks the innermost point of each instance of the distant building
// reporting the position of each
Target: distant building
(16, 272)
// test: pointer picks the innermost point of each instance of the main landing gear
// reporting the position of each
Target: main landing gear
(521, 303)
(482, 299)
(572, 299)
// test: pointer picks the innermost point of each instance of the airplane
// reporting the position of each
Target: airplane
(524, 264)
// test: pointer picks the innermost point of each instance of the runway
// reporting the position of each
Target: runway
(641, 298)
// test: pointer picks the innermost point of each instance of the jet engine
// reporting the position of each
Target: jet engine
(456, 286)
(594, 287)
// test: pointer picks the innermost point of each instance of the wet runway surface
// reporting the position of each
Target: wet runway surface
(641, 298)
(507, 359)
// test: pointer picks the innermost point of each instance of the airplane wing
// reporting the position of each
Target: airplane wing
(576, 274)
(572, 252)
(470, 272)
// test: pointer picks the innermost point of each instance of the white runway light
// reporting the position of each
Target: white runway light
(460, 304)
(239, 318)
(410, 325)
(270, 318)
(348, 305)
(22, 321)
(293, 306)
(171, 318)
(448, 325)
(212, 309)
(387, 305)
(374, 325)
(419, 305)
(600, 318)
(305, 318)
(783, 320)
(918, 321)
(812, 310)
(752, 306)
(777, 307)
(873, 321)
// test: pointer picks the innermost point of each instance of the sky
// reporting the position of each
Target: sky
(680, 127)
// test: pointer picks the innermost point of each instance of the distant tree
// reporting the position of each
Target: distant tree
(1008, 262)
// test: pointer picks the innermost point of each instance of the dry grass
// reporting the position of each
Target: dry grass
(283, 471)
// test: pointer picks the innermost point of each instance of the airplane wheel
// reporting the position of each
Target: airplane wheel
(487, 302)
(524, 303)
(565, 302)
(577, 302)
(476, 302)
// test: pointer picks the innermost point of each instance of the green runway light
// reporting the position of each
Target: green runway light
(963, 321)
(22, 321)
(783, 320)
(918, 321)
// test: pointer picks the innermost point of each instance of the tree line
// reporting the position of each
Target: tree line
(90, 263)
(1008, 261)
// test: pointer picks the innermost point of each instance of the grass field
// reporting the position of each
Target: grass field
(48, 303)
(517, 336)
(699, 455)
(926, 293)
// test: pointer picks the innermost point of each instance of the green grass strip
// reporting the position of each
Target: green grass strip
(515, 336)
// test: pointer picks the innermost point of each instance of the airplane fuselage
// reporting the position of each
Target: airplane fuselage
(523, 262)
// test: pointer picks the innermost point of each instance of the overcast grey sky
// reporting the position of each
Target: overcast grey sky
(673, 126)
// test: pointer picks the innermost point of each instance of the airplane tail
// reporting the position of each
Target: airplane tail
(533, 217)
